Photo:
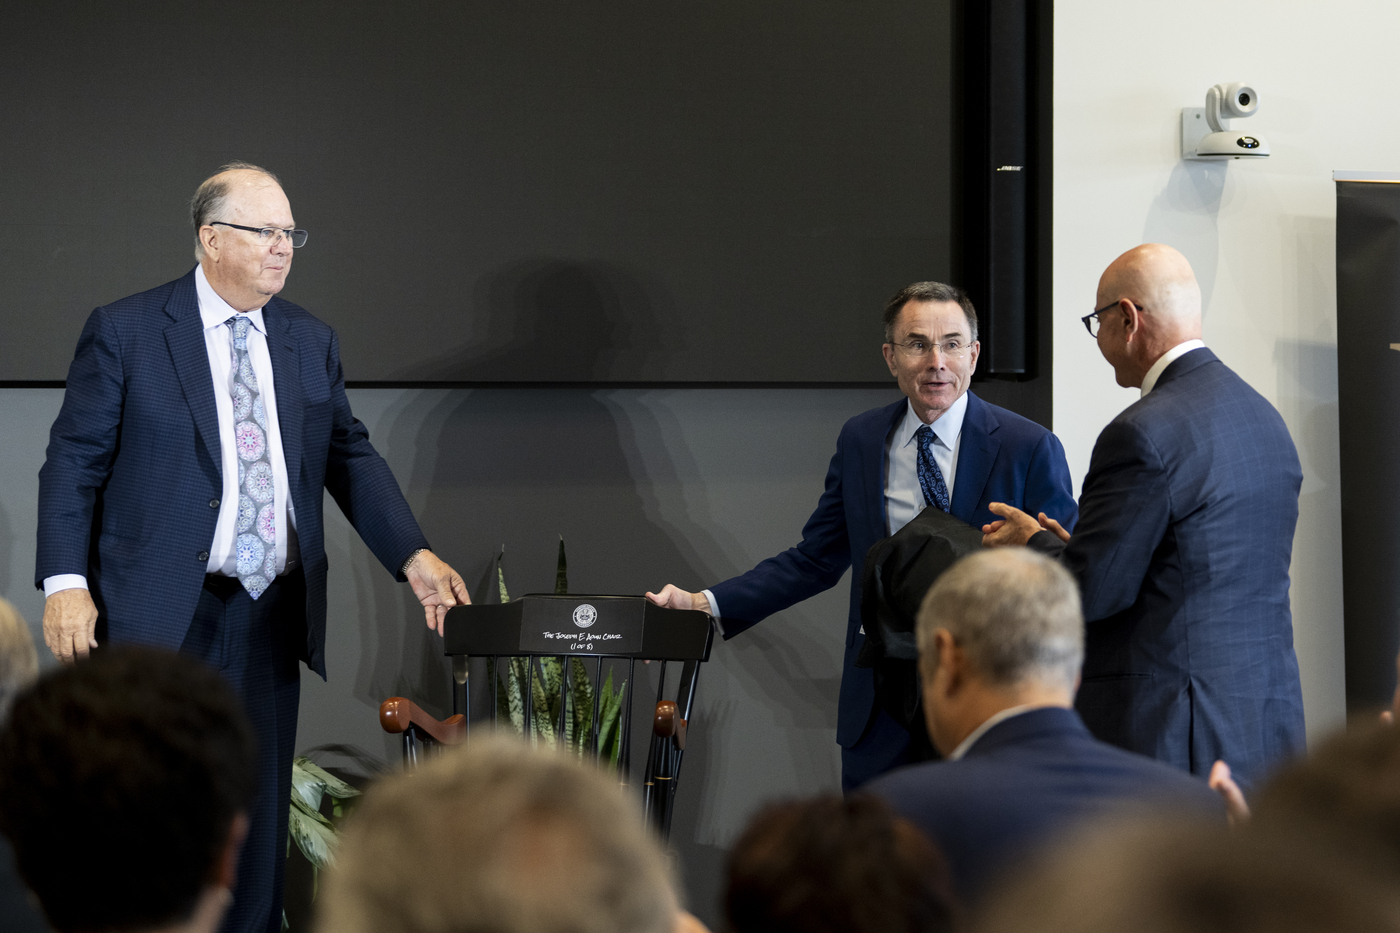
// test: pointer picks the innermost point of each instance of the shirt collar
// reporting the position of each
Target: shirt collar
(1165, 360)
(214, 311)
(995, 719)
(946, 427)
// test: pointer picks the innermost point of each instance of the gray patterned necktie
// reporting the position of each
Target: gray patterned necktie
(256, 547)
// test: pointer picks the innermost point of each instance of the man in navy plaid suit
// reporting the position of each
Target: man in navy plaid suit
(1184, 541)
(180, 502)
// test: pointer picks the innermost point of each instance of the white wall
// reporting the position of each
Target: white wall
(1260, 235)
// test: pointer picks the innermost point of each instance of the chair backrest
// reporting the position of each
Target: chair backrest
(546, 656)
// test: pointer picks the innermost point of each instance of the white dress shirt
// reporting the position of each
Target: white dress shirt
(1165, 360)
(986, 726)
(904, 497)
(218, 342)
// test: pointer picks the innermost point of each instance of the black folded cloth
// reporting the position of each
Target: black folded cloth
(899, 570)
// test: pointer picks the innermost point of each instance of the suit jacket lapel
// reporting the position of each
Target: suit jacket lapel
(286, 379)
(874, 458)
(977, 451)
(185, 339)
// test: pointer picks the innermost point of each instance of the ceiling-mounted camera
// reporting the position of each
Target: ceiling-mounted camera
(1206, 133)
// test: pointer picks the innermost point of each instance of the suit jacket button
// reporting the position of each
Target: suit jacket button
(202, 555)
(213, 503)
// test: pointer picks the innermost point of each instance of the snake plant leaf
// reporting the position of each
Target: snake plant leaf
(543, 721)
(561, 575)
(501, 575)
(609, 721)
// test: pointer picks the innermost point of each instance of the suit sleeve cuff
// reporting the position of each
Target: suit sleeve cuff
(714, 603)
(1047, 543)
(64, 581)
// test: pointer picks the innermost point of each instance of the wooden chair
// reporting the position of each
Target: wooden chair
(518, 639)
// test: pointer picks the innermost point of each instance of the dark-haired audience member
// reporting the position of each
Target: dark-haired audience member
(124, 784)
(1001, 638)
(19, 665)
(504, 838)
(1166, 877)
(836, 865)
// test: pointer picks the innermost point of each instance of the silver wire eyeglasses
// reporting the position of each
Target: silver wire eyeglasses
(268, 236)
(918, 349)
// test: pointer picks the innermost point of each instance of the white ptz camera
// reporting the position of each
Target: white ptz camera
(1206, 134)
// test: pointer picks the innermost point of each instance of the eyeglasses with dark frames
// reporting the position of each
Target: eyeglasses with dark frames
(1091, 321)
(268, 236)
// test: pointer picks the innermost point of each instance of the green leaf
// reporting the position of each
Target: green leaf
(313, 834)
(501, 575)
(561, 575)
(332, 785)
(610, 721)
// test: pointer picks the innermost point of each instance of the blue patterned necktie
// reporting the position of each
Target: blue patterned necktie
(256, 547)
(930, 477)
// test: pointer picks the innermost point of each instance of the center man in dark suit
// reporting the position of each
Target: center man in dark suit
(180, 503)
(1184, 540)
(940, 446)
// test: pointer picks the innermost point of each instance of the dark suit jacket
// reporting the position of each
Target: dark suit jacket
(1182, 554)
(129, 493)
(1027, 782)
(1002, 458)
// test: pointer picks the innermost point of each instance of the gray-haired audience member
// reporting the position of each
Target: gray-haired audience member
(124, 783)
(1166, 877)
(1001, 639)
(836, 865)
(498, 837)
(19, 660)
(19, 665)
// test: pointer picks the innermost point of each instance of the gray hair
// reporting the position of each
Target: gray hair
(498, 837)
(1015, 613)
(19, 661)
(211, 198)
(928, 291)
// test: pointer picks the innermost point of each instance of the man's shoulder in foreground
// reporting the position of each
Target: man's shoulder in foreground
(1031, 776)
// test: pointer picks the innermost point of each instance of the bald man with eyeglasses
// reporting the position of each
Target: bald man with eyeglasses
(1184, 541)
(938, 447)
(180, 504)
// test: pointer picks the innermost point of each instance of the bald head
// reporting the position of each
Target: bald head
(1159, 306)
(1160, 281)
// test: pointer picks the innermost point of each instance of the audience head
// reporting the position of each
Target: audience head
(836, 865)
(123, 786)
(1000, 628)
(1159, 877)
(1347, 790)
(498, 837)
(1149, 302)
(19, 661)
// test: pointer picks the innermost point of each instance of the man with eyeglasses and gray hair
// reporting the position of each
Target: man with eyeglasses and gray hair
(180, 504)
(938, 447)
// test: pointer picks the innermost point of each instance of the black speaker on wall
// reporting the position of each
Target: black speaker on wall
(1005, 173)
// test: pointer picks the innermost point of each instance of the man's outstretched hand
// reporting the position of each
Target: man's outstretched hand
(1236, 810)
(70, 624)
(1014, 527)
(673, 597)
(437, 586)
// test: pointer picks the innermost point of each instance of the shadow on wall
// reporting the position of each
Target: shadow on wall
(1186, 215)
(545, 320)
(611, 471)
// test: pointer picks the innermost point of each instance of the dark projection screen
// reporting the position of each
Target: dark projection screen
(529, 191)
